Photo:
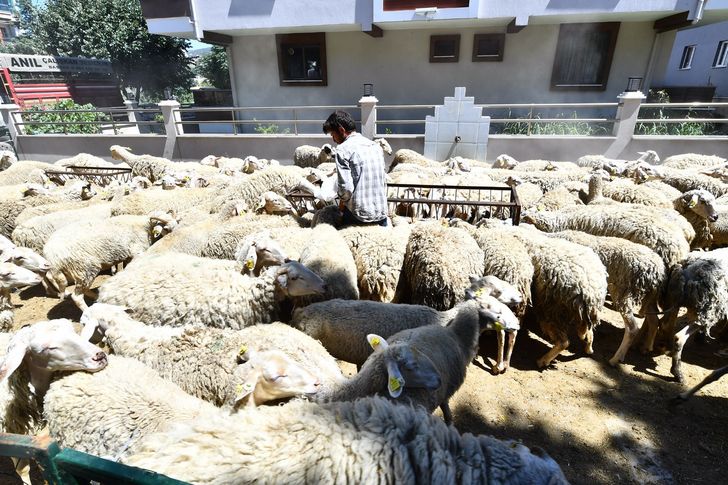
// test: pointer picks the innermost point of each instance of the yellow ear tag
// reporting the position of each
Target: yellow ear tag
(498, 326)
(249, 264)
(394, 384)
(243, 350)
(540, 207)
(479, 292)
(375, 342)
(239, 389)
(692, 203)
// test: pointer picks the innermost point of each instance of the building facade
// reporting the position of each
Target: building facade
(8, 30)
(318, 52)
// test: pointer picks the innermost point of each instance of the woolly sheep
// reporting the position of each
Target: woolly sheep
(693, 160)
(616, 167)
(145, 201)
(340, 442)
(249, 190)
(528, 193)
(311, 156)
(685, 181)
(407, 156)
(12, 276)
(79, 251)
(154, 168)
(623, 190)
(220, 365)
(34, 353)
(636, 275)
(436, 266)
(25, 171)
(569, 289)
(176, 289)
(544, 165)
(87, 160)
(505, 161)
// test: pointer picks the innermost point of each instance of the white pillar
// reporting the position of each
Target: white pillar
(627, 111)
(130, 113)
(368, 105)
(171, 114)
(9, 119)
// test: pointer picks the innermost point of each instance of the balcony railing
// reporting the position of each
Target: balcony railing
(162, 9)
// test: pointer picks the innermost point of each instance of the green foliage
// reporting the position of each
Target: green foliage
(685, 128)
(554, 127)
(39, 113)
(115, 30)
(270, 129)
(213, 66)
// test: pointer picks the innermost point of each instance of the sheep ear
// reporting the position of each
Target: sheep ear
(417, 370)
(15, 354)
(395, 381)
(377, 343)
(473, 279)
(693, 201)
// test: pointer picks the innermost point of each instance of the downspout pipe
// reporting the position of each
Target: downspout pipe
(698, 13)
(195, 24)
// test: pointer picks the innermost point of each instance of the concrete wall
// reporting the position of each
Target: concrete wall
(398, 66)
(701, 73)
(50, 148)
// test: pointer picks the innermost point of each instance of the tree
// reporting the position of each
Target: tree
(114, 30)
(23, 44)
(213, 66)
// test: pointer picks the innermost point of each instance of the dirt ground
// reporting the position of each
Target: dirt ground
(603, 425)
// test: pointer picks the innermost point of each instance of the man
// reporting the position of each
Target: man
(361, 183)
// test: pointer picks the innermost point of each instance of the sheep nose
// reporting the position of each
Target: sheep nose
(99, 356)
(714, 218)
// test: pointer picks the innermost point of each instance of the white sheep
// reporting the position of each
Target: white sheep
(248, 190)
(79, 251)
(617, 167)
(25, 171)
(145, 201)
(405, 156)
(693, 160)
(221, 366)
(311, 156)
(177, 289)
(505, 161)
(12, 276)
(154, 168)
(370, 439)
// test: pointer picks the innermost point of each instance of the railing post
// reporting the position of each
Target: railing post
(171, 114)
(368, 105)
(627, 113)
(131, 105)
(6, 112)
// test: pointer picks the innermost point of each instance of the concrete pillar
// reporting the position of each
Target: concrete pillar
(171, 114)
(627, 111)
(130, 113)
(368, 105)
(9, 119)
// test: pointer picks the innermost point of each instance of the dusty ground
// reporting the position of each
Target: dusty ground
(603, 425)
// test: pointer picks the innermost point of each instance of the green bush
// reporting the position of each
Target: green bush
(685, 128)
(39, 113)
(270, 129)
(554, 127)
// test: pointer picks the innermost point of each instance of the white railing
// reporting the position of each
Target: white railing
(107, 121)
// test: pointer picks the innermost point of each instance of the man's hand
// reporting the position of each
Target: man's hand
(342, 204)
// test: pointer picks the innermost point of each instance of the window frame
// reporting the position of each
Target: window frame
(393, 6)
(686, 59)
(722, 46)
(566, 30)
(306, 39)
(448, 37)
(489, 58)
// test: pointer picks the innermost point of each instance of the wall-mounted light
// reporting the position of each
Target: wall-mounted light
(167, 93)
(634, 84)
(368, 89)
(427, 12)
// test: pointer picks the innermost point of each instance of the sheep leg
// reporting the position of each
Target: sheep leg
(651, 326)
(509, 351)
(666, 325)
(446, 413)
(631, 327)
(712, 377)
(679, 343)
(586, 333)
(77, 297)
(499, 366)
(561, 344)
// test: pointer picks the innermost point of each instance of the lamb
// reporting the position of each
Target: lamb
(272, 361)
(628, 192)
(693, 160)
(34, 354)
(636, 275)
(176, 289)
(378, 254)
(79, 251)
(339, 442)
(639, 226)
(557, 199)
(436, 266)
(311, 156)
(570, 287)
(700, 284)
(528, 193)
(423, 365)
(342, 325)
(34, 233)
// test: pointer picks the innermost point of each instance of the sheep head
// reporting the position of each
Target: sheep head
(505, 161)
(162, 223)
(259, 251)
(699, 201)
(14, 276)
(119, 152)
(406, 366)
(25, 258)
(295, 279)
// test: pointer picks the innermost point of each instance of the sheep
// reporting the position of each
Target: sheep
(636, 275)
(436, 266)
(176, 289)
(25, 171)
(569, 289)
(211, 363)
(34, 233)
(87, 160)
(407, 156)
(342, 325)
(617, 167)
(556, 199)
(628, 192)
(79, 251)
(544, 165)
(370, 439)
(685, 181)
(249, 190)
(664, 237)
(378, 254)
(154, 168)
(423, 365)
(327, 254)
(145, 201)
(41, 210)
(34, 354)
(311, 156)
(505, 161)
(12, 276)
(528, 193)
(699, 283)
(7, 158)
(274, 204)
(693, 160)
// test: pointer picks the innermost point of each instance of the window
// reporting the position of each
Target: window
(584, 56)
(302, 59)
(687, 57)
(413, 4)
(721, 54)
(488, 47)
(444, 48)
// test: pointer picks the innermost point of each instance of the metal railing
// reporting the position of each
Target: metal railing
(665, 119)
(114, 120)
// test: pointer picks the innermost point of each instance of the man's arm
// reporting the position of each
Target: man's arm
(344, 182)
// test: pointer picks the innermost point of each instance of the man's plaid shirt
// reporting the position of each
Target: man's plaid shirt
(361, 178)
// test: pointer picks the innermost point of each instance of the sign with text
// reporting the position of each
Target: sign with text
(29, 63)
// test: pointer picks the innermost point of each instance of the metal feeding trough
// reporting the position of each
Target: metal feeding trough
(98, 175)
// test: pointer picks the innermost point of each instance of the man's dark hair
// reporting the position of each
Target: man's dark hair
(339, 119)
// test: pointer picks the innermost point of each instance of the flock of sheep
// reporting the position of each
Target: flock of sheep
(225, 299)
